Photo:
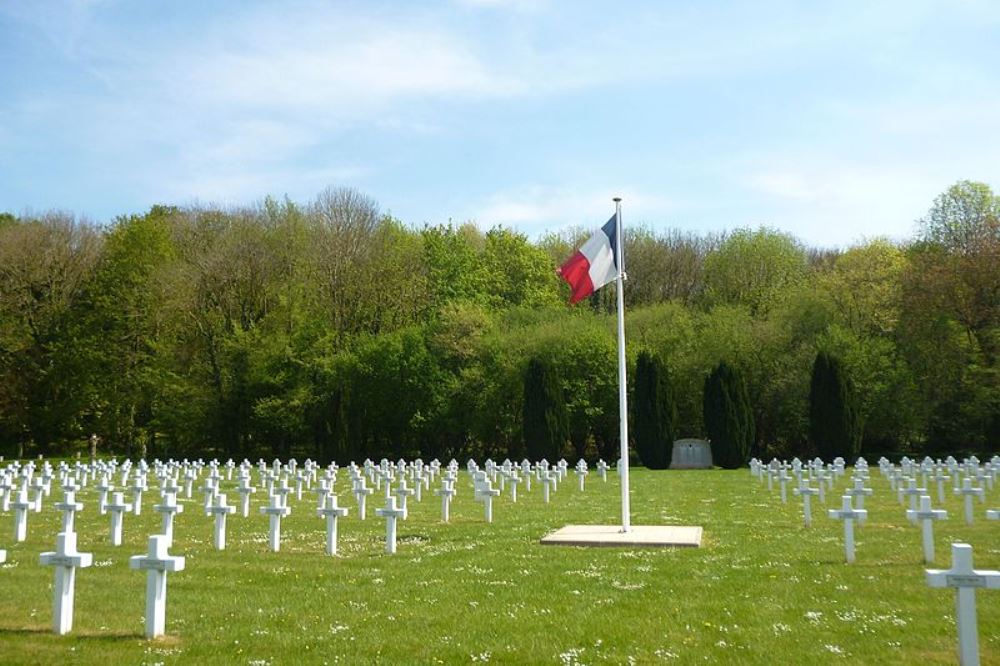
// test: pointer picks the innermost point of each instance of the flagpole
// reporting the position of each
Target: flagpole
(622, 386)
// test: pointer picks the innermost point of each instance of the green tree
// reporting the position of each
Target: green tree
(517, 273)
(45, 368)
(754, 268)
(833, 416)
(961, 233)
(545, 421)
(121, 326)
(728, 417)
(655, 412)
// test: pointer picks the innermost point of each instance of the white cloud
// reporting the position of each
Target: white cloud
(539, 209)
(347, 72)
(833, 204)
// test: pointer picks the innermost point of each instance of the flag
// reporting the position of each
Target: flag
(593, 265)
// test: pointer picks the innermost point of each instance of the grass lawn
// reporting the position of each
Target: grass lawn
(761, 590)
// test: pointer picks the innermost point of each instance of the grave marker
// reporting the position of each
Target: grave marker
(965, 580)
(331, 512)
(859, 492)
(401, 493)
(927, 516)
(117, 507)
(276, 510)
(220, 510)
(69, 506)
(157, 562)
(968, 492)
(103, 488)
(169, 508)
(391, 513)
(446, 492)
(65, 559)
(361, 493)
(245, 489)
(485, 494)
(848, 514)
(806, 492)
(21, 507)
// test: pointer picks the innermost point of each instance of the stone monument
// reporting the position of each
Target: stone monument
(691, 454)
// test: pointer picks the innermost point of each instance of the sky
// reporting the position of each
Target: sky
(835, 121)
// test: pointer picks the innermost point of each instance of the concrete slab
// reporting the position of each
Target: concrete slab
(611, 535)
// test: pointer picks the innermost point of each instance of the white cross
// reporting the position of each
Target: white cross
(322, 489)
(277, 510)
(513, 479)
(806, 492)
(245, 489)
(188, 482)
(927, 516)
(38, 486)
(6, 490)
(602, 469)
(156, 563)
(859, 492)
(965, 580)
(485, 494)
(581, 473)
(220, 510)
(69, 506)
(210, 490)
(21, 507)
(282, 491)
(401, 493)
(117, 507)
(446, 492)
(361, 493)
(783, 479)
(940, 477)
(168, 509)
(137, 489)
(300, 480)
(103, 488)
(548, 480)
(169, 486)
(331, 512)
(969, 492)
(418, 482)
(65, 559)
(390, 513)
(848, 515)
(913, 491)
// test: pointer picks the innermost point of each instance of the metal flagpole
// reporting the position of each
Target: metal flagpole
(622, 386)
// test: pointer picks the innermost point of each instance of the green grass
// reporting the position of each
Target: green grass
(762, 589)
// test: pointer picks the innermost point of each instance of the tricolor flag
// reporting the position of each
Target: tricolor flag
(593, 265)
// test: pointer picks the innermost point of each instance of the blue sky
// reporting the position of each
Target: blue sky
(834, 121)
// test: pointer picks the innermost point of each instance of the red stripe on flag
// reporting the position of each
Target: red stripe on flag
(576, 272)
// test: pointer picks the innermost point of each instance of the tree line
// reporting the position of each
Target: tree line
(332, 330)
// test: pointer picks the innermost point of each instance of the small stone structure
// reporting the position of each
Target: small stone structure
(691, 454)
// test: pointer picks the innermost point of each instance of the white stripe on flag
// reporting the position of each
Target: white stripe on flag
(598, 252)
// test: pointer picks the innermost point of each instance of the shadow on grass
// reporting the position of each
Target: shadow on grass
(89, 635)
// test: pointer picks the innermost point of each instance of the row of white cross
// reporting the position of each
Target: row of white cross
(158, 561)
(216, 505)
(962, 576)
(67, 559)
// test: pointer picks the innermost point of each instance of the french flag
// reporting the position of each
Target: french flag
(593, 265)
